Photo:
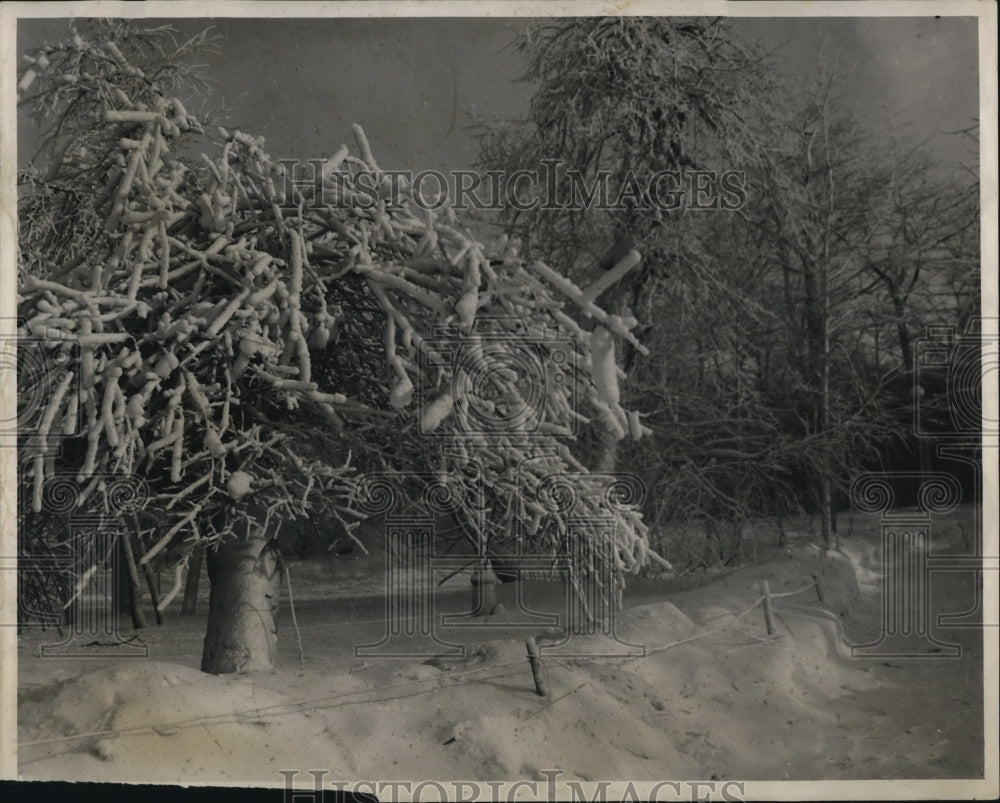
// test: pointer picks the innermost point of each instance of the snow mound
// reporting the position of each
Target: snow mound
(662, 618)
(107, 725)
(713, 696)
(862, 555)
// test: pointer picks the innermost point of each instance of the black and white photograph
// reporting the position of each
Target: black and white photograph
(500, 401)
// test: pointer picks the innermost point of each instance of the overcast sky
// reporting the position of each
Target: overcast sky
(416, 85)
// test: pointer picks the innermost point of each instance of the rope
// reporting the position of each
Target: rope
(817, 613)
(738, 616)
(268, 712)
(282, 709)
(793, 593)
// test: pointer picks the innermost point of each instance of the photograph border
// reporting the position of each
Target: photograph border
(986, 12)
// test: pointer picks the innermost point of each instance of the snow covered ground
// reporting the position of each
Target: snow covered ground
(713, 698)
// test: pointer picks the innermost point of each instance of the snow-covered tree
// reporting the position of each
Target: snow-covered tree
(245, 343)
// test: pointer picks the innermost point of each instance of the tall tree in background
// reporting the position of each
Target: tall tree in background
(617, 102)
(627, 97)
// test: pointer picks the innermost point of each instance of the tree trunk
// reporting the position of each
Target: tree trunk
(189, 605)
(134, 594)
(120, 579)
(484, 593)
(826, 515)
(244, 579)
(617, 298)
(147, 571)
(834, 506)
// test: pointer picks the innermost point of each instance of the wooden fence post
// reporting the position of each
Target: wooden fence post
(768, 616)
(541, 687)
